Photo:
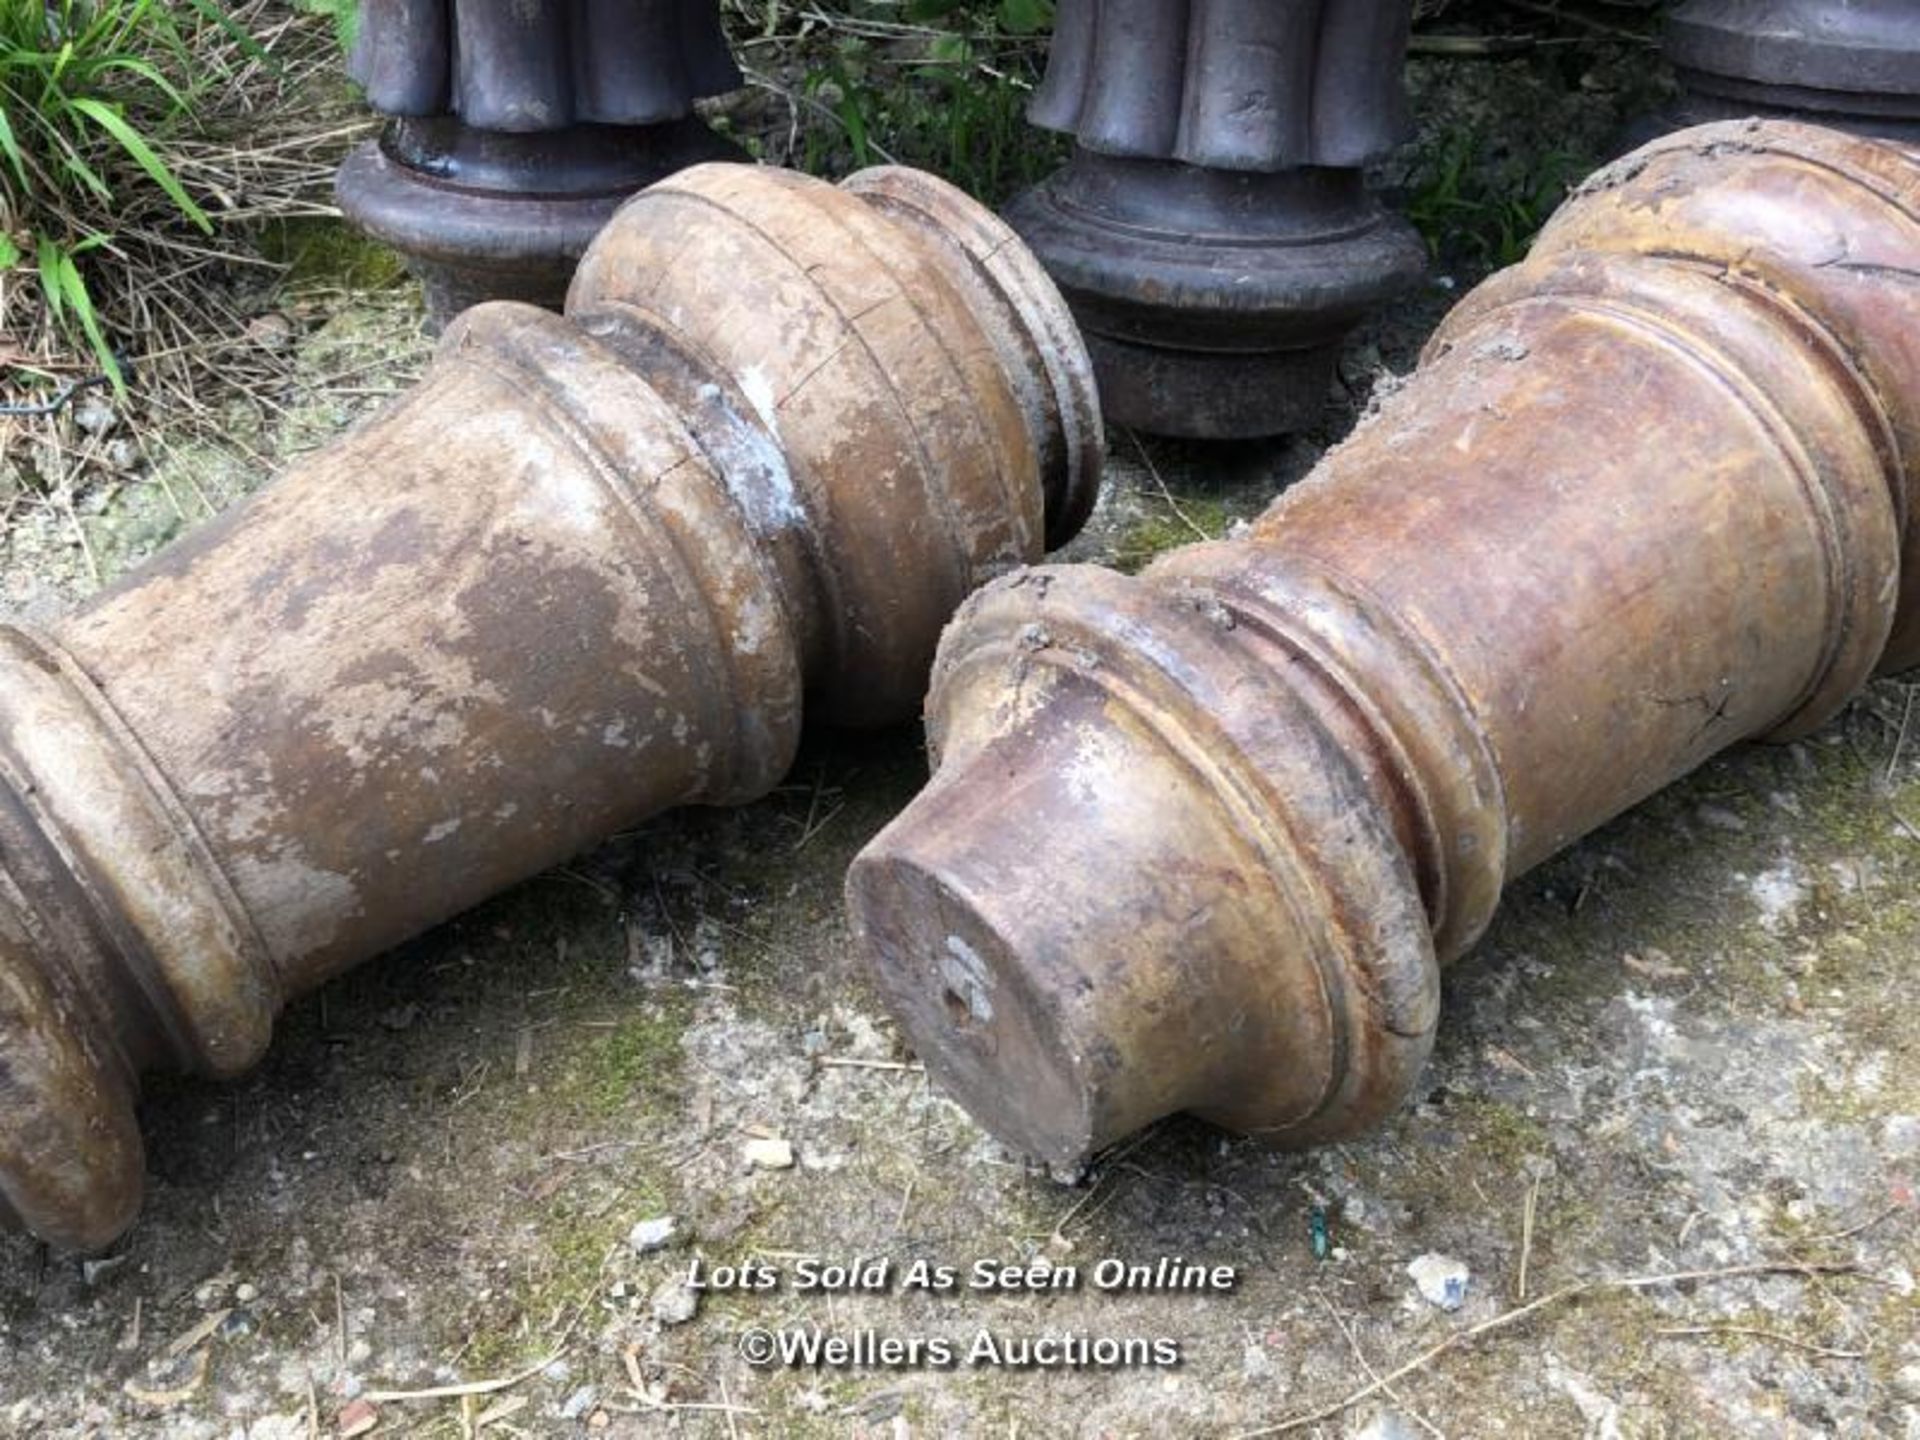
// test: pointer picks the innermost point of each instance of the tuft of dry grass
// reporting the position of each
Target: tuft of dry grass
(190, 315)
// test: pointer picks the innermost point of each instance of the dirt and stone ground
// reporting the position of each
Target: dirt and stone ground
(1687, 1046)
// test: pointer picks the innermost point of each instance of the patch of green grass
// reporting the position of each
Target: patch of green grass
(322, 251)
(345, 15)
(1482, 206)
(632, 1065)
(1163, 529)
(1503, 1133)
(942, 84)
(92, 92)
(616, 1082)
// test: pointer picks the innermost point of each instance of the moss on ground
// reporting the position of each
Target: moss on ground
(1166, 528)
(634, 1064)
(322, 251)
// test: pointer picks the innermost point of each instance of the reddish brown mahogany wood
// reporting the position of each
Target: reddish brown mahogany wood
(1200, 840)
(588, 568)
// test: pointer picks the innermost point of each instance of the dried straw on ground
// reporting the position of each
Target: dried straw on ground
(181, 308)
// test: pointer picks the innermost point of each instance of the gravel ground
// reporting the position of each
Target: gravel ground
(1686, 1049)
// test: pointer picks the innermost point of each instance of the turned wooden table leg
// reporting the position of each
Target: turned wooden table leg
(1199, 840)
(588, 568)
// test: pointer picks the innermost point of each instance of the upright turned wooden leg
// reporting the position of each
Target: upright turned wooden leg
(1200, 840)
(588, 568)
(1213, 231)
(518, 129)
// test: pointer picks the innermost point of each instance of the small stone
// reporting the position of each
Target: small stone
(877, 1407)
(1442, 1279)
(579, 1403)
(1906, 1383)
(356, 1419)
(1067, 1173)
(94, 414)
(247, 1294)
(674, 1303)
(94, 1271)
(1255, 1363)
(272, 331)
(655, 1234)
(1718, 817)
(238, 1325)
(768, 1154)
(1901, 1136)
(122, 455)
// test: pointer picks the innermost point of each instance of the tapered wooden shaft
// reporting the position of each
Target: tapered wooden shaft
(588, 568)
(1200, 840)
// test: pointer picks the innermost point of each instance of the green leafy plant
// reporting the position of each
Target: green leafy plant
(87, 96)
(345, 15)
(1472, 203)
(1016, 17)
(942, 84)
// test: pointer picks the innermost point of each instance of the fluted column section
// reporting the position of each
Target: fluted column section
(1852, 64)
(515, 130)
(1213, 230)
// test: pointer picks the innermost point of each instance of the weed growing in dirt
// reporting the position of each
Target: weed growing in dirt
(89, 93)
(345, 15)
(940, 84)
(1472, 205)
